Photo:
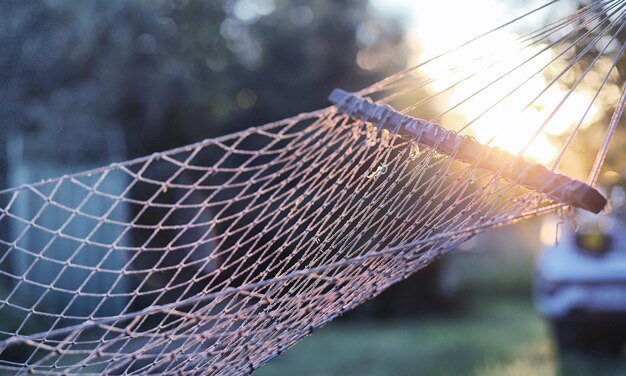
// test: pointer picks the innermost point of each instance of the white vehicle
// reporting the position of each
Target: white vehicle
(580, 284)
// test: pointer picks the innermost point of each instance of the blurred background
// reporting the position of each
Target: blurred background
(83, 84)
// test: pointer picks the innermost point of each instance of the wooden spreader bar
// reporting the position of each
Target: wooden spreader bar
(534, 176)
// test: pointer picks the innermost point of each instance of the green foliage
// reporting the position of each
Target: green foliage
(171, 72)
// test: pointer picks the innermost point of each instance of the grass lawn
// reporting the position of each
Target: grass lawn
(490, 337)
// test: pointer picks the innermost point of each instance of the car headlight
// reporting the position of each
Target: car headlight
(594, 242)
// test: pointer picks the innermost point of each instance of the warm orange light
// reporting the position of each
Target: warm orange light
(514, 124)
(510, 125)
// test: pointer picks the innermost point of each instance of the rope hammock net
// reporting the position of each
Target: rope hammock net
(217, 256)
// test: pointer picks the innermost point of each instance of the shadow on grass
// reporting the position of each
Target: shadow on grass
(484, 339)
(492, 337)
(582, 364)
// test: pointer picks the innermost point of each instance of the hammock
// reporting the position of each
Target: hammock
(215, 257)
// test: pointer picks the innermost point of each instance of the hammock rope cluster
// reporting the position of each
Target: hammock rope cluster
(535, 176)
(215, 257)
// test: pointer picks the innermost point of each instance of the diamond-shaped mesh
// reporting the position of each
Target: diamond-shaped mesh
(215, 257)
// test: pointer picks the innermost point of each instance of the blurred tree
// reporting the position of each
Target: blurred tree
(171, 72)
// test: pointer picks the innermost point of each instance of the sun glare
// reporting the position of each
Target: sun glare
(479, 82)
(500, 98)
